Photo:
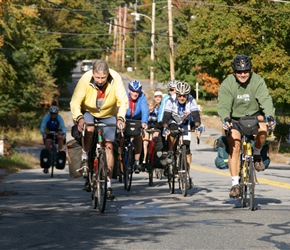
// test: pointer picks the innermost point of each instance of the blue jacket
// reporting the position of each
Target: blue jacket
(49, 124)
(141, 109)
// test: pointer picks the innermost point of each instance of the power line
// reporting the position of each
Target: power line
(235, 7)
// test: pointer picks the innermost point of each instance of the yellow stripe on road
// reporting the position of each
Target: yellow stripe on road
(273, 183)
(260, 180)
(211, 170)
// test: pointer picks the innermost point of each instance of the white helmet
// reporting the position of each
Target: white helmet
(182, 88)
(172, 84)
(53, 109)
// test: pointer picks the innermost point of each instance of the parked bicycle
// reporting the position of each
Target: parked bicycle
(179, 168)
(98, 171)
(248, 180)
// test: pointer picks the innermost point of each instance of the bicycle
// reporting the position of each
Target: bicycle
(53, 152)
(248, 180)
(133, 128)
(179, 167)
(98, 171)
(150, 155)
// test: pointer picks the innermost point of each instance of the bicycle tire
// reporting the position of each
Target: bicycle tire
(183, 171)
(102, 181)
(53, 159)
(171, 177)
(94, 192)
(251, 184)
(128, 167)
(93, 182)
(150, 162)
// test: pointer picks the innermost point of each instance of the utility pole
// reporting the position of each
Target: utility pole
(120, 34)
(171, 44)
(135, 40)
(124, 37)
(110, 30)
(116, 41)
(152, 46)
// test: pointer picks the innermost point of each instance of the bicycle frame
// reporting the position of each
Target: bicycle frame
(180, 163)
(248, 178)
(53, 152)
(98, 172)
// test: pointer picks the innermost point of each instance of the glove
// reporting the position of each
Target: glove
(271, 122)
(165, 132)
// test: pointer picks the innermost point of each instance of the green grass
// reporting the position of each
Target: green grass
(16, 161)
(210, 111)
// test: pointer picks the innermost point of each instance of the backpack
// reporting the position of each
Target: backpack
(222, 148)
(61, 159)
(74, 158)
(45, 158)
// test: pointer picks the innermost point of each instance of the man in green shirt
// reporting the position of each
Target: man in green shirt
(244, 93)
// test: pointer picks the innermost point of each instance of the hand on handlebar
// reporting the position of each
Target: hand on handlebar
(81, 123)
(271, 123)
(165, 132)
(121, 125)
(227, 125)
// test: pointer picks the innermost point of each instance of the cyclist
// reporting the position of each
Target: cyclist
(152, 121)
(181, 112)
(158, 95)
(99, 95)
(244, 93)
(138, 110)
(52, 122)
(171, 93)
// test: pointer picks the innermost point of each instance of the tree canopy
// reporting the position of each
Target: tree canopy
(40, 44)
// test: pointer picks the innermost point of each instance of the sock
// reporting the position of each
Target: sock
(136, 162)
(84, 155)
(257, 151)
(109, 183)
(235, 180)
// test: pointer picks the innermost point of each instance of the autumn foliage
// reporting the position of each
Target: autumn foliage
(208, 83)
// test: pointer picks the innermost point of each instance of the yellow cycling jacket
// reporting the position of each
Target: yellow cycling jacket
(84, 98)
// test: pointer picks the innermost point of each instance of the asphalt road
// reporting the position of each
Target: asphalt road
(40, 212)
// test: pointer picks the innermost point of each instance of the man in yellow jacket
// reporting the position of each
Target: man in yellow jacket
(99, 94)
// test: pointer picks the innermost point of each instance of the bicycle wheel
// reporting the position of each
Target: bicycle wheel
(182, 170)
(128, 165)
(94, 190)
(102, 181)
(171, 177)
(243, 184)
(251, 184)
(150, 162)
(53, 159)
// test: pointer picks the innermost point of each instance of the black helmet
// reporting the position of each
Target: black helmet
(241, 62)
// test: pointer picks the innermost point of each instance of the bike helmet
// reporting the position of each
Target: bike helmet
(182, 88)
(135, 85)
(241, 62)
(172, 84)
(53, 109)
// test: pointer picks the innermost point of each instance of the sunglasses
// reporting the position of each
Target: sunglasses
(185, 96)
(171, 89)
(242, 71)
